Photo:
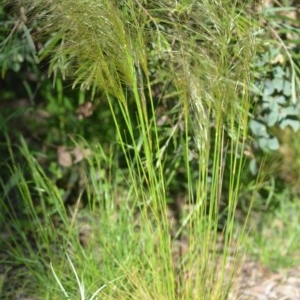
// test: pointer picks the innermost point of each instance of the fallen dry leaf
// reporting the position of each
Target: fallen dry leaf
(64, 157)
(85, 110)
(80, 154)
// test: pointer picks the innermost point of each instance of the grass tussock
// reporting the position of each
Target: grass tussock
(123, 245)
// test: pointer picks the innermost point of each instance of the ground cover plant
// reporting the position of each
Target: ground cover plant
(141, 202)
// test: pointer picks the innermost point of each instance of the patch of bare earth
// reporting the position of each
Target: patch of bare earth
(255, 282)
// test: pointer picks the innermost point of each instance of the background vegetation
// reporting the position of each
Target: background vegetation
(136, 139)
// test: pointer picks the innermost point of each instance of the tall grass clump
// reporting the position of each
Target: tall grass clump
(199, 54)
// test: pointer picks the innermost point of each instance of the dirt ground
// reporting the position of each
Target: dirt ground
(258, 283)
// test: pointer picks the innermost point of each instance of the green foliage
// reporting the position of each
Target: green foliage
(16, 44)
(169, 83)
(277, 77)
(280, 228)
